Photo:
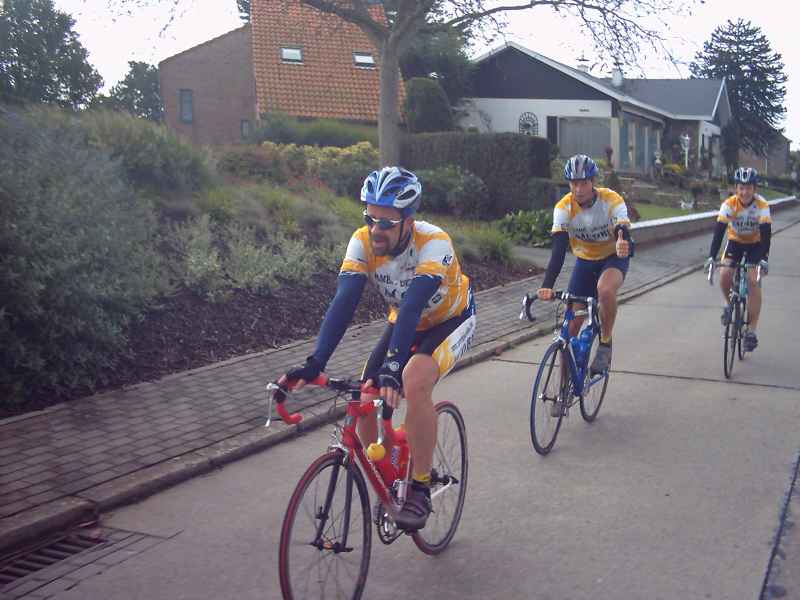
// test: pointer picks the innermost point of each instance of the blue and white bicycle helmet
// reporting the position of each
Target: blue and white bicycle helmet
(578, 167)
(746, 175)
(393, 187)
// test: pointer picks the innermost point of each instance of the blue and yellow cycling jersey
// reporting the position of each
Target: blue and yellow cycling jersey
(591, 230)
(429, 252)
(743, 221)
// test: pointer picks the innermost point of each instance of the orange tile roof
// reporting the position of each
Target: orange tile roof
(327, 84)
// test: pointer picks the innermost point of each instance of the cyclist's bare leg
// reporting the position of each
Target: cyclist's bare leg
(419, 377)
(607, 287)
(575, 324)
(368, 426)
(753, 299)
(725, 281)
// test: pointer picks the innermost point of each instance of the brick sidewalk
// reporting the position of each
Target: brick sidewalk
(73, 460)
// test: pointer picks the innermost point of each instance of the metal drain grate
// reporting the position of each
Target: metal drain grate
(22, 565)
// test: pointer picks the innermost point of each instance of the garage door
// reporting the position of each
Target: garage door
(584, 136)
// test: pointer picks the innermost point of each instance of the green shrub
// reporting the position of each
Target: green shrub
(485, 245)
(453, 190)
(77, 264)
(427, 108)
(343, 169)
(249, 265)
(504, 161)
(278, 128)
(543, 193)
(283, 129)
(261, 163)
(197, 264)
(153, 158)
(532, 228)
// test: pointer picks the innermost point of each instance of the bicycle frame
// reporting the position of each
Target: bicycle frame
(346, 438)
(577, 372)
(346, 441)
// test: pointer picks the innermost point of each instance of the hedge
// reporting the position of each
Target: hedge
(504, 161)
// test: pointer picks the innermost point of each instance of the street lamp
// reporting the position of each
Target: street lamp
(685, 141)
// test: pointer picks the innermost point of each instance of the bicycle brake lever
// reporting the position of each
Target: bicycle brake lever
(527, 302)
(275, 391)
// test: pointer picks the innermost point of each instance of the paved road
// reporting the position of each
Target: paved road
(676, 492)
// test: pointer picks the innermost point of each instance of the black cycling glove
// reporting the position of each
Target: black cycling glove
(389, 374)
(307, 372)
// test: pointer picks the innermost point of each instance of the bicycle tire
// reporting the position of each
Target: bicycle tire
(300, 525)
(450, 458)
(730, 340)
(550, 371)
(742, 327)
(590, 402)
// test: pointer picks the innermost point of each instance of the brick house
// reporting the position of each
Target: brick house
(290, 59)
(209, 90)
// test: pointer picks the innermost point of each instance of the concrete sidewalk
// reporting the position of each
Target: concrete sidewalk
(68, 463)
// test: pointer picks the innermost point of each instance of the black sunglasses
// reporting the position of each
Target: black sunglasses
(383, 224)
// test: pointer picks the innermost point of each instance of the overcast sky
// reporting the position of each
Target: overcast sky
(113, 38)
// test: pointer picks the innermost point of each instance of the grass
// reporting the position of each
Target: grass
(648, 212)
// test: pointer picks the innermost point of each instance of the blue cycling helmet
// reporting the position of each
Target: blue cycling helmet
(394, 187)
(578, 167)
(746, 175)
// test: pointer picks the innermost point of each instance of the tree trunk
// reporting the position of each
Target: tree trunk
(389, 113)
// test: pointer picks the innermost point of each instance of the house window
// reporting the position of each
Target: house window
(364, 59)
(244, 128)
(292, 55)
(186, 105)
(528, 124)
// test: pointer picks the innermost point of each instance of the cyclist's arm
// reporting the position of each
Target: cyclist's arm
(349, 288)
(421, 289)
(557, 256)
(765, 229)
(716, 241)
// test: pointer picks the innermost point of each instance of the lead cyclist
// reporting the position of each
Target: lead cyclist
(431, 319)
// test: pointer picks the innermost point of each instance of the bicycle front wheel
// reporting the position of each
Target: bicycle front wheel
(550, 391)
(743, 320)
(731, 340)
(594, 388)
(449, 480)
(326, 536)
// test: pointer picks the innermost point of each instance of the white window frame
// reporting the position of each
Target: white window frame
(292, 55)
(364, 64)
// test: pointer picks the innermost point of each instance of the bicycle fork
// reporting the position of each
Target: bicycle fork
(323, 513)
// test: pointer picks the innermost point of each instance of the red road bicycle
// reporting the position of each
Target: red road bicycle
(326, 537)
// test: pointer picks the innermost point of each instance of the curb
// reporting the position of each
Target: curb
(88, 504)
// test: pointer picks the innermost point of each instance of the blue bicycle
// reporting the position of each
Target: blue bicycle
(564, 376)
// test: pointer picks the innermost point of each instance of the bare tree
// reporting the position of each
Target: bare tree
(620, 30)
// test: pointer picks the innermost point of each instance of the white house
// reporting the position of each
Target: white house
(517, 89)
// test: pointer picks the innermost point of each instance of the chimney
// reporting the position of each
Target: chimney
(616, 75)
(583, 64)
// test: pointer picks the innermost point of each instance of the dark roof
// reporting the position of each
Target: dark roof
(684, 97)
(675, 98)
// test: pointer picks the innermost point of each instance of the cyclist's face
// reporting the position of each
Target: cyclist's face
(745, 191)
(581, 190)
(383, 240)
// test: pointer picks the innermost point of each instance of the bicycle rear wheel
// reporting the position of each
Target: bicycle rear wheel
(449, 480)
(326, 536)
(550, 389)
(731, 340)
(594, 388)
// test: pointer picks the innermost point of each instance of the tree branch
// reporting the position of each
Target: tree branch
(356, 12)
